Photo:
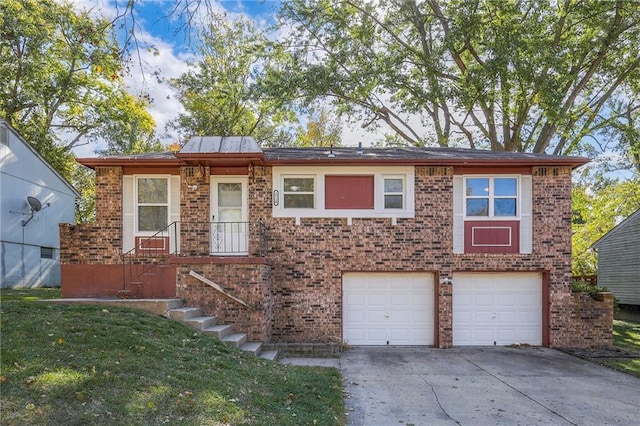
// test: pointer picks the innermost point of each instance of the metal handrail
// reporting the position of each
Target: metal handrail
(148, 254)
(223, 238)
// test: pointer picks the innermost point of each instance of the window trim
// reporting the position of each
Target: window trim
(379, 172)
(314, 193)
(136, 204)
(491, 197)
(402, 193)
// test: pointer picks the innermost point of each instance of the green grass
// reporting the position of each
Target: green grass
(626, 335)
(95, 365)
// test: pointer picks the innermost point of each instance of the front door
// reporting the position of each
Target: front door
(229, 227)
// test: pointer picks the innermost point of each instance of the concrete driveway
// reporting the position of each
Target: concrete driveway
(484, 386)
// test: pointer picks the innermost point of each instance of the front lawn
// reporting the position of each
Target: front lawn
(96, 365)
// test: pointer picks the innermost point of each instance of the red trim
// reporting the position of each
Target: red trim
(238, 171)
(348, 192)
(545, 309)
(574, 162)
(219, 260)
(143, 170)
(131, 162)
(492, 236)
(156, 245)
(235, 160)
(436, 310)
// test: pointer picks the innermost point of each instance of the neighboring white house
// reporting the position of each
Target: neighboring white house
(619, 260)
(34, 199)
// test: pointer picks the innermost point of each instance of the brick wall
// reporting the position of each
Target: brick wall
(194, 210)
(300, 293)
(249, 282)
(99, 242)
(590, 322)
(308, 259)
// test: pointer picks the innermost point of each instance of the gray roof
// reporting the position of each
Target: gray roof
(221, 145)
(407, 153)
(628, 221)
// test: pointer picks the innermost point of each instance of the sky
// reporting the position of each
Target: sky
(170, 54)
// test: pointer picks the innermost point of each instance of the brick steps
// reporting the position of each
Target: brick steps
(208, 325)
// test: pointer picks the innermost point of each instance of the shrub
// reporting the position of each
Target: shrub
(580, 286)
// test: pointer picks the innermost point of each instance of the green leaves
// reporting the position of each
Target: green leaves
(61, 85)
(517, 76)
(218, 93)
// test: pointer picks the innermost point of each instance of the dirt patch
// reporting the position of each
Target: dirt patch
(596, 353)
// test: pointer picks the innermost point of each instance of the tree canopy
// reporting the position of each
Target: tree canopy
(217, 92)
(599, 204)
(61, 82)
(503, 75)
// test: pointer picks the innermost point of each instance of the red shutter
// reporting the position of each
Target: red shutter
(348, 192)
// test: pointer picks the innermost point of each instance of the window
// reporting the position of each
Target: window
(491, 197)
(345, 191)
(393, 193)
(299, 192)
(153, 203)
(46, 253)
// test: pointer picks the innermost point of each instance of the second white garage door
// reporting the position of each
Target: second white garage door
(497, 309)
(388, 308)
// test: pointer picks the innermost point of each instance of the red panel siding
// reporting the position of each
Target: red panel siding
(85, 280)
(492, 236)
(348, 192)
(155, 245)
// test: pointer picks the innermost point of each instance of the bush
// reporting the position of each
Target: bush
(580, 286)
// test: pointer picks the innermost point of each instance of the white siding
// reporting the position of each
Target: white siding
(458, 215)
(174, 214)
(128, 203)
(526, 220)
(24, 173)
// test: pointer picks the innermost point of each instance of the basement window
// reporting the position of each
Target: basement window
(46, 253)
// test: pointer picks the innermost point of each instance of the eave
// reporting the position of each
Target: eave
(93, 162)
(573, 162)
(221, 159)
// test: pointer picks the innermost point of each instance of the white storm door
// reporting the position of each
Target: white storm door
(229, 227)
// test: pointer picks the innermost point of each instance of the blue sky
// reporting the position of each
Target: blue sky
(171, 51)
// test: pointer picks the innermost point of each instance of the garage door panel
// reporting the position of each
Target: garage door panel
(377, 299)
(504, 308)
(391, 308)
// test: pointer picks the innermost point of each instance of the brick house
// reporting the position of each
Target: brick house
(373, 246)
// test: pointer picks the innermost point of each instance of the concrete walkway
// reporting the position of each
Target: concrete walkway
(482, 386)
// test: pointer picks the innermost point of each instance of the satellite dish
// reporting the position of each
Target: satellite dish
(34, 203)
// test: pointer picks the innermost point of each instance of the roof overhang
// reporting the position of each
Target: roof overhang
(221, 159)
(573, 162)
(94, 162)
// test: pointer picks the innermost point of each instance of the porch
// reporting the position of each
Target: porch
(151, 268)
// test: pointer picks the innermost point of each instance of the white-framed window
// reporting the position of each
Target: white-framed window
(152, 203)
(298, 192)
(491, 197)
(394, 192)
(379, 191)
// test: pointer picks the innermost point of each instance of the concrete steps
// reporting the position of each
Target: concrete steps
(209, 325)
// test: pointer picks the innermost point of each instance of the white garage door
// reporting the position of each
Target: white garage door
(388, 308)
(497, 309)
